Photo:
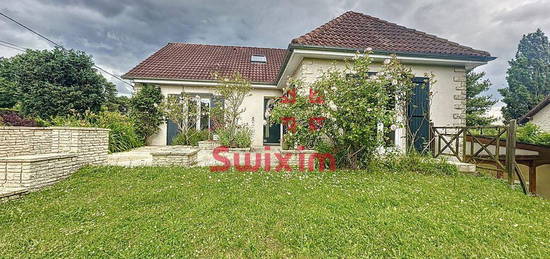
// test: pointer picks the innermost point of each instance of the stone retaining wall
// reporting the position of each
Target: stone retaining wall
(32, 157)
(35, 171)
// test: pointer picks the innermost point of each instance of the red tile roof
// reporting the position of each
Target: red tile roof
(359, 31)
(198, 62)
(350, 30)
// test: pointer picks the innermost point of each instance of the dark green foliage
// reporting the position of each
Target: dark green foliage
(476, 105)
(112, 101)
(192, 137)
(145, 110)
(8, 93)
(528, 76)
(56, 82)
(119, 104)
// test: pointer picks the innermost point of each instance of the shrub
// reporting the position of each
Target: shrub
(241, 139)
(345, 108)
(13, 118)
(192, 137)
(69, 121)
(123, 135)
(145, 110)
(412, 162)
(531, 133)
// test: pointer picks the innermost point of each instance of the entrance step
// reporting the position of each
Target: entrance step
(461, 166)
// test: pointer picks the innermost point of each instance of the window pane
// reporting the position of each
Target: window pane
(205, 113)
(192, 120)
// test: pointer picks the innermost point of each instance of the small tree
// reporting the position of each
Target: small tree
(477, 106)
(145, 110)
(528, 76)
(181, 109)
(344, 109)
(232, 90)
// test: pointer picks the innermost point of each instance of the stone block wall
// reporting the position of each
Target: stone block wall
(18, 141)
(36, 171)
(175, 158)
(459, 81)
(90, 144)
(32, 157)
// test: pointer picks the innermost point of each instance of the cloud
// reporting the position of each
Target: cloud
(119, 34)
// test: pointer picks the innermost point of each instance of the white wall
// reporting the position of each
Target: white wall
(542, 118)
(253, 116)
(447, 107)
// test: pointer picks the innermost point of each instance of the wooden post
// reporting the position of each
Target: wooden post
(532, 177)
(511, 151)
(432, 138)
(464, 145)
(497, 146)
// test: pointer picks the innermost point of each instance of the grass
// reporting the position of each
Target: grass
(161, 212)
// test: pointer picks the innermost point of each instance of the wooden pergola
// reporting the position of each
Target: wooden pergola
(532, 161)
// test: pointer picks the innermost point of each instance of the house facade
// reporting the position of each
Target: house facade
(539, 115)
(182, 67)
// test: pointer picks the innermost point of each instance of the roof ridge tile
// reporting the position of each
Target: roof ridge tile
(344, 39)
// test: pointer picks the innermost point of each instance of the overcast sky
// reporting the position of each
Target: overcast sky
(119, 34)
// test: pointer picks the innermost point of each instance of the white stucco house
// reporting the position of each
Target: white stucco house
(539, 115)
(186, 67)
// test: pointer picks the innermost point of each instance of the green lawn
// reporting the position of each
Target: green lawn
(112, 211)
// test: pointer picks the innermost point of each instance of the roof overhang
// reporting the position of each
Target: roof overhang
(205, 83)
(297, 53)
(529, 115)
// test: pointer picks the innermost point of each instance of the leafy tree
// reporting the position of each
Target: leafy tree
(119, 104)
(111, 99)
(8, 93)
(528, 76)
(145, 110)
(342, 112)
(56, 82)
(477, 106)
